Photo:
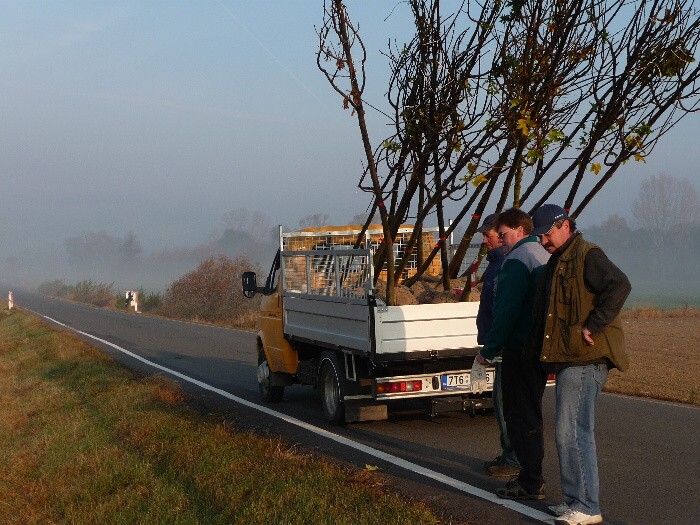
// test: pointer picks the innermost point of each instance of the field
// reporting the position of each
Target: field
(664, 354)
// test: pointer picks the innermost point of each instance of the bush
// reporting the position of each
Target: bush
(97, 294)
(88, 292)
(57, 288)
(651, 312)
(151, 301)
(212, 292)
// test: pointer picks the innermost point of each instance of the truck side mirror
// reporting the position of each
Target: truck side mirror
(250, 285)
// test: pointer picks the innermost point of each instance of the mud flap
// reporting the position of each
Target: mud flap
(355, 412)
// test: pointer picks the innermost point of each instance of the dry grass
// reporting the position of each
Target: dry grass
(84, 440)
(650, 312)
(664, 355)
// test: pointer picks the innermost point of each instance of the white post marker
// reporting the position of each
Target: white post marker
(132, 299)
(10, 301)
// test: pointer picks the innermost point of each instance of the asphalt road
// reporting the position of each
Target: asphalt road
(647, 449)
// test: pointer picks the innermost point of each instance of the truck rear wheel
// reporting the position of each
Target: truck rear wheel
(269, 393)
(331, 388)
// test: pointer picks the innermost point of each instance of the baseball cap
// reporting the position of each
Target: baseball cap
(545, 216)
(488, 224)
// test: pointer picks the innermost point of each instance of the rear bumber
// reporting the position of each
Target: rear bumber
(446, 383)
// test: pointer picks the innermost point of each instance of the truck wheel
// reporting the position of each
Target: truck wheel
(269, 393)
(331, 389)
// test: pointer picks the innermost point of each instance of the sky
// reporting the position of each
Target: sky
(158, 117)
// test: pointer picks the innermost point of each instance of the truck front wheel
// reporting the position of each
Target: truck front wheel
(269, 393)
(330, 386)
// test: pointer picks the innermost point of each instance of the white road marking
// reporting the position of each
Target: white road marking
(389, 458)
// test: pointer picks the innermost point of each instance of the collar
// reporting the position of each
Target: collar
(496, 253)
(531, 238)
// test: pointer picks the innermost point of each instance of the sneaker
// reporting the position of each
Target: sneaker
(558, 510)
(496, 462)
(513, 490)
(505, 470)
(573, 517)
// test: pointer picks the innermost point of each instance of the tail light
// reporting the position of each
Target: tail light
(391, 387)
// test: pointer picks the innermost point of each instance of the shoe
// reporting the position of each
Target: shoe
(573, 517)
(505, 470)
(558, 510)
(513, 490)
(496, 462)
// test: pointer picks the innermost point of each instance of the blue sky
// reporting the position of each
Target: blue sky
(159, 117)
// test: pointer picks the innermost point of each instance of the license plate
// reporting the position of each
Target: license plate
(462, 382)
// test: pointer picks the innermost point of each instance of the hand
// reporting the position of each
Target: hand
(587, 336)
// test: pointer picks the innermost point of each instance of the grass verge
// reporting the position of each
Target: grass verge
(84, 440)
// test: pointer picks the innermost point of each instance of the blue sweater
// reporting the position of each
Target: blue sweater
(484, 317)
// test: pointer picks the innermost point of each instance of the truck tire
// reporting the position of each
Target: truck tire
(269, 393)
(331, 387)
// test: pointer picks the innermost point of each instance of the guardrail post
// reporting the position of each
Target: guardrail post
(10, 301)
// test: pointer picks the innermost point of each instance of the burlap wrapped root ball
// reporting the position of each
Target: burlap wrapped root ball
(427, 290)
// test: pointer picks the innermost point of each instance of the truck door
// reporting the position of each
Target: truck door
(281, 357)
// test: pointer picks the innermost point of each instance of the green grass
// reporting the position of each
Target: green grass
(84, 440)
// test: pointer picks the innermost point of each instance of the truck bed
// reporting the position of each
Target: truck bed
(384, 332)
(327, 301)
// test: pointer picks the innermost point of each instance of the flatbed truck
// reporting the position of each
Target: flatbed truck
(322, 323)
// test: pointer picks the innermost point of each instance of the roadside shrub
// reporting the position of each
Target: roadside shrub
(650, 312)
(57, 288)
(97, 294)
(151, 301)
(684, 311)
(88, 292)
(212, 292)
(643, 312)
(249, 320)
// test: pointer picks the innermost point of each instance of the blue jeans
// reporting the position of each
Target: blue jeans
(576, 391)
(507, 452)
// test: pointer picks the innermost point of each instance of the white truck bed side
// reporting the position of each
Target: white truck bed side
(425, 327)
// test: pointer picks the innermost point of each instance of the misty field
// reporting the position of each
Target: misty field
(665, 294)
(664, 354)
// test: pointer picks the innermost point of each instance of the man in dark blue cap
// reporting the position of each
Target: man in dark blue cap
(578, 336)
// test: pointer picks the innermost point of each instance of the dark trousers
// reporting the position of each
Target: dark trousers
(523, 385)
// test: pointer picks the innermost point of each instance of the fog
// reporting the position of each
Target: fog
(129, 132)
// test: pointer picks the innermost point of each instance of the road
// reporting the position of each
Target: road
(647, 449)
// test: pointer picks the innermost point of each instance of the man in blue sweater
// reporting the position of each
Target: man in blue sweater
(506, 463)
(523, 380)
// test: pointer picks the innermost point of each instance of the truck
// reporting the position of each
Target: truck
(323, 323)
